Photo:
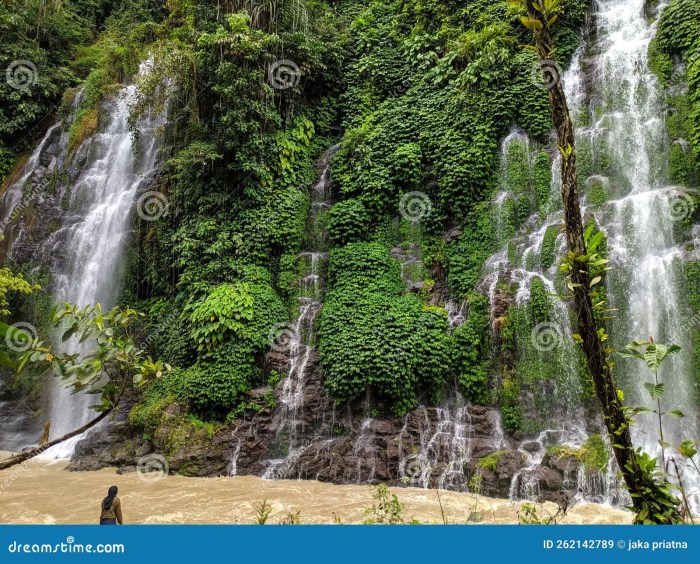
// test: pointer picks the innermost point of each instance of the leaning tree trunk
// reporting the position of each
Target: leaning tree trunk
(36, 451)
(640, 484)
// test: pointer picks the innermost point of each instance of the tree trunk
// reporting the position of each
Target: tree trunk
(639, 483)
(36, 451)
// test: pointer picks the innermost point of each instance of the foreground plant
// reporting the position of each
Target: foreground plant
(653, 355)
(387, 509)
(106, 364)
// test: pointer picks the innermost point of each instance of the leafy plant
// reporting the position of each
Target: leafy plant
(262, 512)
(653, 355)
(387, 510)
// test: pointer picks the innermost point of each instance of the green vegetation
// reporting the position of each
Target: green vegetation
(387, 509)
(678, 39)
(593, 453)
(471, 348)
(547, 252)
(490, 461)
(374, 337)
(49, 47)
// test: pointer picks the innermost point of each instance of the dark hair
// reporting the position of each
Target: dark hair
(111, 494)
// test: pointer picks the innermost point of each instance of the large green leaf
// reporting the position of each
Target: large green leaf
(656, 391)
(655, 354)
(630, 351)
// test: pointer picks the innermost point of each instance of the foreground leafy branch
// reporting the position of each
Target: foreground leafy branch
(106, 363)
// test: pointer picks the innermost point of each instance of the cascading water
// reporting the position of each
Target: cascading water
(622, 148)
(645, 283)
(288, 419)
(17, 193)
(92, 239)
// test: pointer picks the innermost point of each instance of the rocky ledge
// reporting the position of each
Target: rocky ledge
(458, 447)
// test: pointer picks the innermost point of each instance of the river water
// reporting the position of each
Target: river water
(43, 492)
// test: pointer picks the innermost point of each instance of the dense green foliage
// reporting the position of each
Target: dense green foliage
(678, 41)
(49, 46)
(422, 92)
(375, 338)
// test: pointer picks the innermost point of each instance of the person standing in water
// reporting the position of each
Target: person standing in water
(111, 508)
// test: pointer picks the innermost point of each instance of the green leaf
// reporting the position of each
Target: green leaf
(655, 354)
(531, 23)
(6, 361)
(687, 449)
(656, 391)
(630, 351)
(676, 413)
(70, 332)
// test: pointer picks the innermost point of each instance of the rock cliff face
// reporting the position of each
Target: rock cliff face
(457, 446)
(430, 447)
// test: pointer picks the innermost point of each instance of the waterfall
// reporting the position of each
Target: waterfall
(618, 108)
(23, 189)
(646, 253)
(92, 240)
(288, 419)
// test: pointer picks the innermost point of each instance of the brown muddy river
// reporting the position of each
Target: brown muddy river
(43, 492)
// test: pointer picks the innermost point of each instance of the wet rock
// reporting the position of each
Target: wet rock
(496, 481)
(531, 446)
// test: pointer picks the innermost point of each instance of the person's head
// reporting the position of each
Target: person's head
(111, 494)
